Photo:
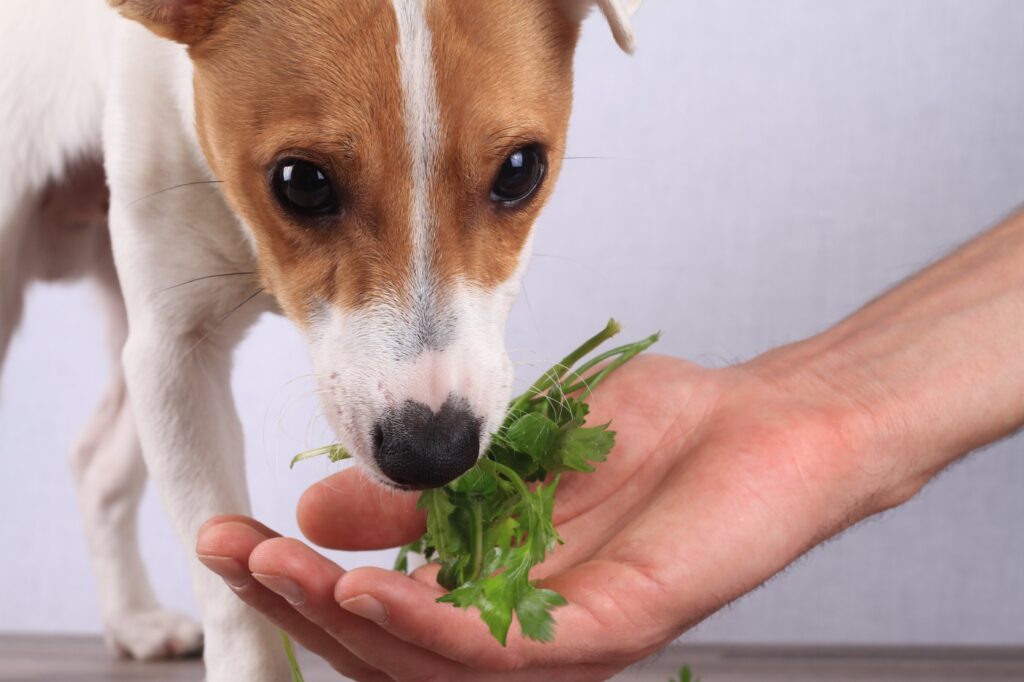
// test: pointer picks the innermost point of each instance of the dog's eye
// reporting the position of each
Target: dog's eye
(519, 177)
(304, 188)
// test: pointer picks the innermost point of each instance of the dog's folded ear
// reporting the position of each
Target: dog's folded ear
(184, 21)
(617, 12)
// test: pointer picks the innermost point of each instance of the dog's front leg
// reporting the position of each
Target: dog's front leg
(192, 439)
(177, 363)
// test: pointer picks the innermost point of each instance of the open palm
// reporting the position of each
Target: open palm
(717, 481)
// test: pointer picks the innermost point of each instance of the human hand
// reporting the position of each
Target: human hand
(718, 480)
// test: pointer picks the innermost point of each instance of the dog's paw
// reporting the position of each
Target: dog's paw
(154, 634)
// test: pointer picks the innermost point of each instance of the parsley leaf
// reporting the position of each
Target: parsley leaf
(531, 434)
(533, 609)
(578, 446)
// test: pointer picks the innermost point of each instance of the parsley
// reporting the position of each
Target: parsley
(335, 453)
(685, 675)
(293, 662)
(490, 526)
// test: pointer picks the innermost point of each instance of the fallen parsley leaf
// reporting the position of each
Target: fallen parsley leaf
(685, 675)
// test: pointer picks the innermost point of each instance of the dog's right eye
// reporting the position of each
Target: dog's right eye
(303, 188)
(519, 177)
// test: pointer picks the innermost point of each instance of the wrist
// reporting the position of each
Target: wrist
(857, 430)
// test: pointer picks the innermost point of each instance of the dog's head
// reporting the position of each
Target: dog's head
(389, 158)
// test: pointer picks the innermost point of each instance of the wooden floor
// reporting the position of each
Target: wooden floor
(26, 658)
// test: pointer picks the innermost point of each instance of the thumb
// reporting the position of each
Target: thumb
(349, 511)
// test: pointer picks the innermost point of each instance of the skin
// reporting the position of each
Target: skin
(720, 479)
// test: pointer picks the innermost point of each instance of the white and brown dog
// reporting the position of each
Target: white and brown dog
(371, 168)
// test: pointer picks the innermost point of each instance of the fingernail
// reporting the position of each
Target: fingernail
(233, 573)
(366, 607)
(286, 587)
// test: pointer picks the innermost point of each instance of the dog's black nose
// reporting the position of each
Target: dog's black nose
(418, 448)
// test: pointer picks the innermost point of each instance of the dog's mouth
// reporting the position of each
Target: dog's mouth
(387, 483)
(378, 478)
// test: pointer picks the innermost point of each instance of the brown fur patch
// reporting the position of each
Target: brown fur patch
(184, 21)
(69, 234)
(321, 79)
(504, 79)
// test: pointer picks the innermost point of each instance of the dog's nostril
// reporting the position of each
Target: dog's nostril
(418, 448)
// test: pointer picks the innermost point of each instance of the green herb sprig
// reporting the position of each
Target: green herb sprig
(293, 662)
(685, 675)
(492, 525)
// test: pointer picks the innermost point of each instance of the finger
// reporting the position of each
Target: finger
(225, 547)
(349, 511)
(224, 543)
(407, 608)
(236, 518)
(427, 574)
(307, 580)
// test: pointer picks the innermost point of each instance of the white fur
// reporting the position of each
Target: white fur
(128, 94)
(422, 126)
(117, 83)
(37, 46)
(178, 355)
(42, 45)
(372, 360)
(48, 60)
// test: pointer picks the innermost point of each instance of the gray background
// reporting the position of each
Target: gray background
(773, 165)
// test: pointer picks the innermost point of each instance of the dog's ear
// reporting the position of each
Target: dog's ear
(617, 12)
(184, 21)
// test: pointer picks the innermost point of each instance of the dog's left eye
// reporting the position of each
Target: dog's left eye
(519, 177)
(304, 188)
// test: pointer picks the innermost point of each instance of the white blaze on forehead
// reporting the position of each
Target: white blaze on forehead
(422, 127)
(415, 347)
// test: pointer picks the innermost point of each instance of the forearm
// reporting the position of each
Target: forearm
(932, 369)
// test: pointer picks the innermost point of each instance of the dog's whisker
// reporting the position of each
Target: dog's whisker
(526, 363)
(173, 187)
(294, 380)
(284, 409)
(223, 319)
(206, 277)
(310, 423)
(556, 257)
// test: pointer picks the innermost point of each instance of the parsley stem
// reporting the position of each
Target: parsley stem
(512, 477)
(556, 373)
(293, 662)
(624, 353)
(477, 555)
(335, 453)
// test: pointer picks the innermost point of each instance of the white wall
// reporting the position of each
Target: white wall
(772, 165)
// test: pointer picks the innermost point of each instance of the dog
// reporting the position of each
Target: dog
(372, 169)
